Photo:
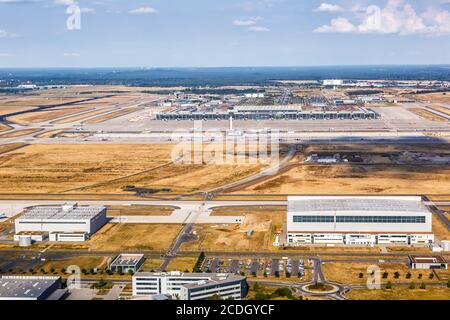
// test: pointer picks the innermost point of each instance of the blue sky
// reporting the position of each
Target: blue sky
(202, 33)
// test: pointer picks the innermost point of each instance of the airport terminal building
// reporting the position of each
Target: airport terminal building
(289, 112)
(358, 220)
(190, 286)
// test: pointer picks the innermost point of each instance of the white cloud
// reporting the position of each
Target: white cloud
(258, 29)
(246, 22)
(6, 34)
(397, 17)
(328, 7)
(65, 2)
(5, 55)
(337, 25)
(71, 54)
(143, 10)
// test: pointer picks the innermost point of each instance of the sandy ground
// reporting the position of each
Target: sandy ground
(263, 222)
(428, 115)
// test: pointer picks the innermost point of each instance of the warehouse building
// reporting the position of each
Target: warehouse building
(358, 220)
(69, 222)
(127, 262)
(190, 286)
(427, 262)
(31, 288)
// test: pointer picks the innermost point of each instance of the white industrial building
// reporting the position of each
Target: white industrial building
(427, 262)
(358, 220)
(69, 222)
(189, 286)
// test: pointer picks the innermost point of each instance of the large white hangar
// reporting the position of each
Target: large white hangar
(358, 220)
(69, 222)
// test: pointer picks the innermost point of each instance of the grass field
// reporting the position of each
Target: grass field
(348, 272)
(357, 179)
(83, 262)
(140, 210)
(428, 115)
(46, 115)
(19, 133)
(83, 116)
(4, 127)
(50, 133)
(401, 293)
(111, 115)
(99, 169)
(134, 237)
(182, 264)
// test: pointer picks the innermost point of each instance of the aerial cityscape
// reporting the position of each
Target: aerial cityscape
(156, 175)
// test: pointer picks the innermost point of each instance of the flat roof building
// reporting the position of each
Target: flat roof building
(127, 262)
(78, 222)
(358, 220)
(427, 262)
(190, 286)
(30, 288)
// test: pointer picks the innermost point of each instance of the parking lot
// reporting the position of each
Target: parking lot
(267, 267)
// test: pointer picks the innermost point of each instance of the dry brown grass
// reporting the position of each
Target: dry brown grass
(440, 229)
(116, 237)
(112, 115)
(83, 116)
(428, 115)
(18, 133)
(83, 262)
(140, 210)
(50, 133)
(401, 293)
(441, 109)
(4, 127)
(348, 272)
(53, 168)
(357, 179)
(46, 115)
(182, 264)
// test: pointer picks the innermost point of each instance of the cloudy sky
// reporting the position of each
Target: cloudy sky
(199, 33)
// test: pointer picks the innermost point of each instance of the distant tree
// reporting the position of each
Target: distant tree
(63, 270)
(408, 275)
(361, 275)
(431, 276)
(277, 274)
(389, 285)
(130, 272)
(396, 275)
(288, 274)
(256, 286)
(254, 274)
(423, 285)
(265, 274)
(385, 275)
(412, 286)
(52, 270)
(31, 270)
(91, 271)
(419, 276)
(215, 297)
(83, 271)
(299, 275)
(42, 270)
(242, 273)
